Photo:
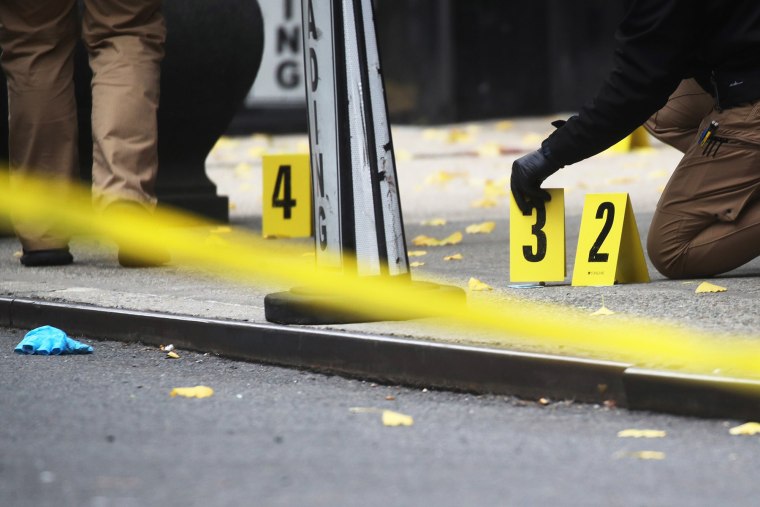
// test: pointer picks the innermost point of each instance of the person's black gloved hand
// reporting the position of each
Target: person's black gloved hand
(528, 172)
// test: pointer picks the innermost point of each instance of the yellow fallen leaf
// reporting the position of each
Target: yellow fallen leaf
(434, 134)
(403, 155)
(459, 136)
(482, 228)
(172, 355)
(18, 254)
(225, 142)
(504, 125)
(648, 455)
(705, 287)
(242, 169)
(486, 202)
(434, 222)
(443, 177)
(455, 257)
(654, 175)
(641, 434)
(495, 189)
(192, 392)
(489, 150)
(477, 285)
(416, 264)
(622, 180)
(391, 418)
(423, 240)
(603, 311)
(750, 428)
(261, 138)
(532, 138)
(257, 151)
(416, 253)
(452, 239)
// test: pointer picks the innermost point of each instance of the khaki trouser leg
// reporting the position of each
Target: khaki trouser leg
(125, 41)
(708, 219)
(677, 122)
(38, 39)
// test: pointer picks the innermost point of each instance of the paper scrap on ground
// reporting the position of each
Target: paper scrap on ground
(455, 257)
(389, 417)
(495, 189)
(423, 240)
(477, 285)
(192, 392)
(481, 228)
(632, 433)
(750, 428)
(602, 311)
(706, 287)
(647, 455)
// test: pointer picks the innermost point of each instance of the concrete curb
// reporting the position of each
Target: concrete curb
(404, 361)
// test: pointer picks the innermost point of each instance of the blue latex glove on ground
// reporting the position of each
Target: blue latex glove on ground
(50, 341)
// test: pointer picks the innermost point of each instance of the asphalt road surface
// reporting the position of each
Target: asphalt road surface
(102, 430)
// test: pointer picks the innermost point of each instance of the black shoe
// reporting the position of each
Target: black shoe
(143, 259)
(52, 257)
(129, 256)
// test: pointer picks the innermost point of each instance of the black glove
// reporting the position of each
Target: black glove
(528, 172)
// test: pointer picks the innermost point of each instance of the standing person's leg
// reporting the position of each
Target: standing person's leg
(677, 122)
(38, 40)
(708, 219)
(125, 41)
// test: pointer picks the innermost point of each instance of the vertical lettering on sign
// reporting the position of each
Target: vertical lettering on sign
(319, 84)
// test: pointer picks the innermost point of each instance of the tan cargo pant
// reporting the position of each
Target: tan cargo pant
(708, 219)
(124, 39)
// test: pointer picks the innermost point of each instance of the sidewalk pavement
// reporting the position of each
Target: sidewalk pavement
(459, 173)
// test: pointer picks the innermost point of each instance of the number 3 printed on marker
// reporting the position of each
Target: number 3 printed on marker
(537, 231)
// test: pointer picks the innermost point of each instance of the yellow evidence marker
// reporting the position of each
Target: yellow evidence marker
(537, 241)
(609, 248)
(287, 210)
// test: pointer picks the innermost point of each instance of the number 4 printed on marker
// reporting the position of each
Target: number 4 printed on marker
(286, 196)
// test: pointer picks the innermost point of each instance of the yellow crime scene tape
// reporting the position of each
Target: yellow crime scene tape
(242, 257)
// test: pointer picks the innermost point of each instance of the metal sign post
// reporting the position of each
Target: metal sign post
(357, 212)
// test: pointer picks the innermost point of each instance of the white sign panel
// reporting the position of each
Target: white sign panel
(280, 81)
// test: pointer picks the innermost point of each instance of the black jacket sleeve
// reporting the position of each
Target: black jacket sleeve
(655, 44)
